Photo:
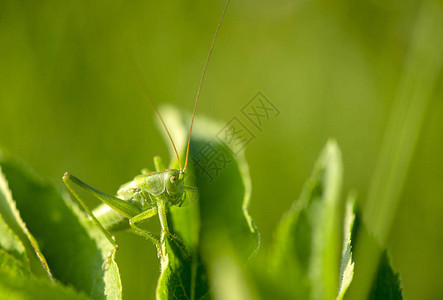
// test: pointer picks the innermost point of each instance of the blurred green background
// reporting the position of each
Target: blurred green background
(69, 101)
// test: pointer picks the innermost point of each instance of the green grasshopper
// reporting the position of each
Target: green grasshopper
(149, 194)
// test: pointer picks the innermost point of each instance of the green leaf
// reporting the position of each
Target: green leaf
(175, 278)
(218, 222)
(14, 221)
(306, 251)
(11, 244)
(29, 287)
(224, 195)
(347, 264)
(74, 248)
(16, 282)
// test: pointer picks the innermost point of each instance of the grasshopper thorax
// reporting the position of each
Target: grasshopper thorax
(147, 189)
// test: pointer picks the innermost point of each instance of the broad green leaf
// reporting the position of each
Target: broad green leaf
(306, 252)
(222, 209)
(347, 264)
(11, 244)
(224, 192)
(13, 219)
(75, 250)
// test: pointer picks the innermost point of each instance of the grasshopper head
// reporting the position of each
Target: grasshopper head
(174, 182)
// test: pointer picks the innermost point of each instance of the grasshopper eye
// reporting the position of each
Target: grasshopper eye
(172, 179)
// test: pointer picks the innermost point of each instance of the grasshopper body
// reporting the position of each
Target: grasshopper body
(146, 191)
(140, 199)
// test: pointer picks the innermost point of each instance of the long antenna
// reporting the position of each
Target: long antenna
(201, 82)
(142, 85)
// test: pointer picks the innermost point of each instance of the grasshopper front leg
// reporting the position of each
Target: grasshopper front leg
(165, 228)
(162, 213)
